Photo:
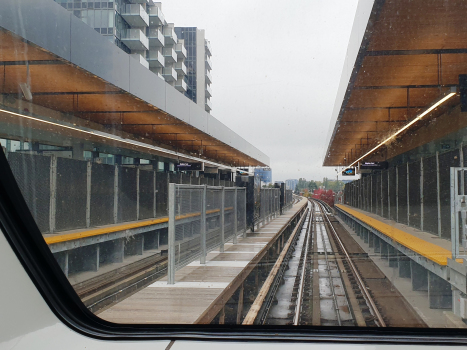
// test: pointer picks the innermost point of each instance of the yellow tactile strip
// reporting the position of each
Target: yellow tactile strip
(59, 238)
(429, 250)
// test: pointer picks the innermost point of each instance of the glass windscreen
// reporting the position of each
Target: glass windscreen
(313, 195)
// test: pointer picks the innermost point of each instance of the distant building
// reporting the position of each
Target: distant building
(291, 184)
(198, 64)
(265, 174)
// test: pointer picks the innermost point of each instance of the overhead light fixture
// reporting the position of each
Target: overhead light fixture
(405, 127)
(117, 138)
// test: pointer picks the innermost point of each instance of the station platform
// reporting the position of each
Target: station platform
(427, 245)
(197, 286)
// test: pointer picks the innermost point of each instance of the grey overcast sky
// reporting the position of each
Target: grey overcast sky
(276, 70)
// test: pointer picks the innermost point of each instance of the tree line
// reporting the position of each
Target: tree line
(312, 185)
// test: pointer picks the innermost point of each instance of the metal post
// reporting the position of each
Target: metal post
(389, 198)
(461, 164)
(53, 193)
(397, 194)
(88, 194)
(116, 194)
(382, 203)
(235, 217)
(408, 197)
(422, 209)
(244, 213)
(438, 194)
(454, 216)
(154, 199)
(137, 193)
(171, 237)
(203, 225)
(371, 193)
(222, 208)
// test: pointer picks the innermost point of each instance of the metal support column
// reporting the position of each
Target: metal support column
(202, 259)
(422, 209)
(371, 193)
(222, 238)
(389, 198)
(382, 203)
(154, 199)
(88, 194)
(53, 193)
(116, 194)
(235, 217)
(397, 194)
(438, 199)
(408, 197)
(137, 193)
(171, 236)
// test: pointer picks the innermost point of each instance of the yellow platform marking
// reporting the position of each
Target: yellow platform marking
(429, 250)
(103, 230)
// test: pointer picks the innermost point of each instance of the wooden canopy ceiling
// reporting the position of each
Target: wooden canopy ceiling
(61, 86)
(411, 55)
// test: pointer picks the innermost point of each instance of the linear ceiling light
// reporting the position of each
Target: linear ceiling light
(405, 127)
(119, 139)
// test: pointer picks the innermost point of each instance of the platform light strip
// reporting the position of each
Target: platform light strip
(115, 138)
(405, 127)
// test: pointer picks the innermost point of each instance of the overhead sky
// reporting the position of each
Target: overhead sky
(276, 70)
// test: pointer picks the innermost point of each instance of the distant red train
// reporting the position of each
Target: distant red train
(325, 195)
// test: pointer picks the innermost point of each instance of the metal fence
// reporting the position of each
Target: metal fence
(201, 219)
(415, 193)
(67, 194)
(269, 206)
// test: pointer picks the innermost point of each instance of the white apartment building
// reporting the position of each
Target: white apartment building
(139, 28)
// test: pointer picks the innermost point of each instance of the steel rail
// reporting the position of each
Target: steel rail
(260, 298)
(373, 308)
(331, 284)
(298, 307)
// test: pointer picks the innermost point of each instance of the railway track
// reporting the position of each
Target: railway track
(317, 282)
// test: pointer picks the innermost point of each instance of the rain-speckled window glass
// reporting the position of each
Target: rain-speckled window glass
(225, 173)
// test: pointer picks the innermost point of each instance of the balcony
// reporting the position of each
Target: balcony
(208, 77)
(169, 74)
(208, 105)
(135, 40)
(170, 36)
(140, 59)
(156, 39)
(180, 50)
(208, 63)
(155, 59)
(135, 15)
(208, 91)
(169, 54)
(156, 17)
(207, 46)
(180, 67)
(180, 85)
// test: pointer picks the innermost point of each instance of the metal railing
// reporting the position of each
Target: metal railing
(269, 206)
(68, 194)
(202, 218)
(416, 193)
